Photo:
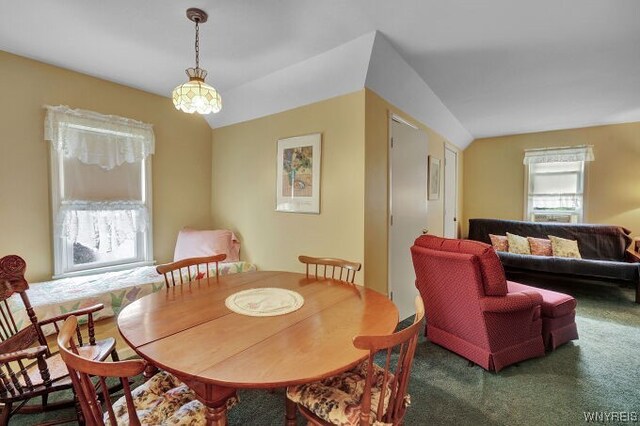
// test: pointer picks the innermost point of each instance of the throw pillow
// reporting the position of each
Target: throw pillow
(499, 242)
(196, 243)
(518, 244)
(540, 246)
(562, 247)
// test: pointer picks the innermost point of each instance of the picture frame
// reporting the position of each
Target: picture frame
(433, 183)
(299, 161)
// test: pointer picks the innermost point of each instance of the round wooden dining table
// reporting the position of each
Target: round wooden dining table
(188, 331)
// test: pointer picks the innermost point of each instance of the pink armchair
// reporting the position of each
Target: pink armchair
(469, 308)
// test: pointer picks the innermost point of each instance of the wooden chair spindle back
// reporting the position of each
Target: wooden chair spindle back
(174, 274)
(396, 379)
(25, 356)
(81, 370)
(326, 267)
(12, 281)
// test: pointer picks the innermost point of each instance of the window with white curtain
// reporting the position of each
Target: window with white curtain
(100, 191)
(555, 183)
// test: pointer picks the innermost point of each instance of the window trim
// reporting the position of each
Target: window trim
(60, 268)
(581, 216)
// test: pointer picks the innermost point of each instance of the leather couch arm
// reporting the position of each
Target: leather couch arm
(632, 256)
(512, 302)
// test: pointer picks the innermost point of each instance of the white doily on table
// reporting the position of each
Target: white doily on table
(264, 302)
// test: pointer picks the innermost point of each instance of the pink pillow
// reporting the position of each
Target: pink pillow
(540, 246)
(196, 243)
(499, 242)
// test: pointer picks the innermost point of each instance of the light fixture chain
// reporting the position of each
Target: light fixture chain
(197, 45)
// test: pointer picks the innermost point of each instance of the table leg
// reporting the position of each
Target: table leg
(290, 417)
(216, 416)
(149, 371)
(214, 399)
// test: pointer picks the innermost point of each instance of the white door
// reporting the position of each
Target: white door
(450, 193)
(408, 210)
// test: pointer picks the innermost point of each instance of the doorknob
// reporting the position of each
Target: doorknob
(425, 231)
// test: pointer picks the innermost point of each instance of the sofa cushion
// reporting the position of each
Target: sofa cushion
(601, 269)
(499, 242)
(554, 304)
(518, 244)
(494, 281)
(561, 247)
(601, 242)
(540, 246)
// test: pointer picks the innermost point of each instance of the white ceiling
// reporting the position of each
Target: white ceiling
(500, 66)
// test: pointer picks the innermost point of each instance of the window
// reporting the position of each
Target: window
(100, 191)
(555, 184)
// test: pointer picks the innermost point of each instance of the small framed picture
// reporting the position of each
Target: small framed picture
(298, 174)
(434, 178)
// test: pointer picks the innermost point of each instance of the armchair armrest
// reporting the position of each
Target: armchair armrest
(511, 302)
(29, 353)
(77, 312)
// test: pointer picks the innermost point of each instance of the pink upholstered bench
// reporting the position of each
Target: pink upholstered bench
(558, 315)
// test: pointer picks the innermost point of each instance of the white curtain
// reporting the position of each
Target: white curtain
(82, 218)
(102, 175)
(104, 140)
(558, 155)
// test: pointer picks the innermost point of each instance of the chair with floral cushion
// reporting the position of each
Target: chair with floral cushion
(367, 394)
(320, 267)
(188, 270)
(163, 399)
(29, 369)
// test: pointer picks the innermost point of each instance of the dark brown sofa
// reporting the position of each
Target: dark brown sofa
(605, 250)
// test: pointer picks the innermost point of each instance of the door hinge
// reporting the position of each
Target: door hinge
(391, 142)
(391, 220)
(391, 295)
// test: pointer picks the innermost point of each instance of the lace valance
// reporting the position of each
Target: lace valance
(558, 155)
(104, 140)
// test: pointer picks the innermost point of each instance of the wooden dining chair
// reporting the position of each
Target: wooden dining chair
(368, 393)
(319, 266)
(185, 271)
(161, 400)
(28, 367)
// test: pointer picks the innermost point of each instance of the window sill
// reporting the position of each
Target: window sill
(104, 269)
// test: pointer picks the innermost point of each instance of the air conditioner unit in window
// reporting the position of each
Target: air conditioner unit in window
(555, 217)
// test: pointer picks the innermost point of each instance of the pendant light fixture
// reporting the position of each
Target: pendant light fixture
(195, 95)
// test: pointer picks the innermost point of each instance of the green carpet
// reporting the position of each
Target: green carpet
(599, 372)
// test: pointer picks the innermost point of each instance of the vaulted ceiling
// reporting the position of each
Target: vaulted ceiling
(499, 67)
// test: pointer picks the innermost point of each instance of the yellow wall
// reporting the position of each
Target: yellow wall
(354, 203)
(181, 166)
(244, 179)
(494, 174)
(376, 216)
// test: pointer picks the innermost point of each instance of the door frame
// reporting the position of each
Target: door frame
(449, 147)
(391, 118)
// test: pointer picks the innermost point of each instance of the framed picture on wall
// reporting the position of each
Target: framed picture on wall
(298, 174)
(434, 178)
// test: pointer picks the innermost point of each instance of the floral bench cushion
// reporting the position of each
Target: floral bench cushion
(337, 399)
(163, 400)
(114, 289)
